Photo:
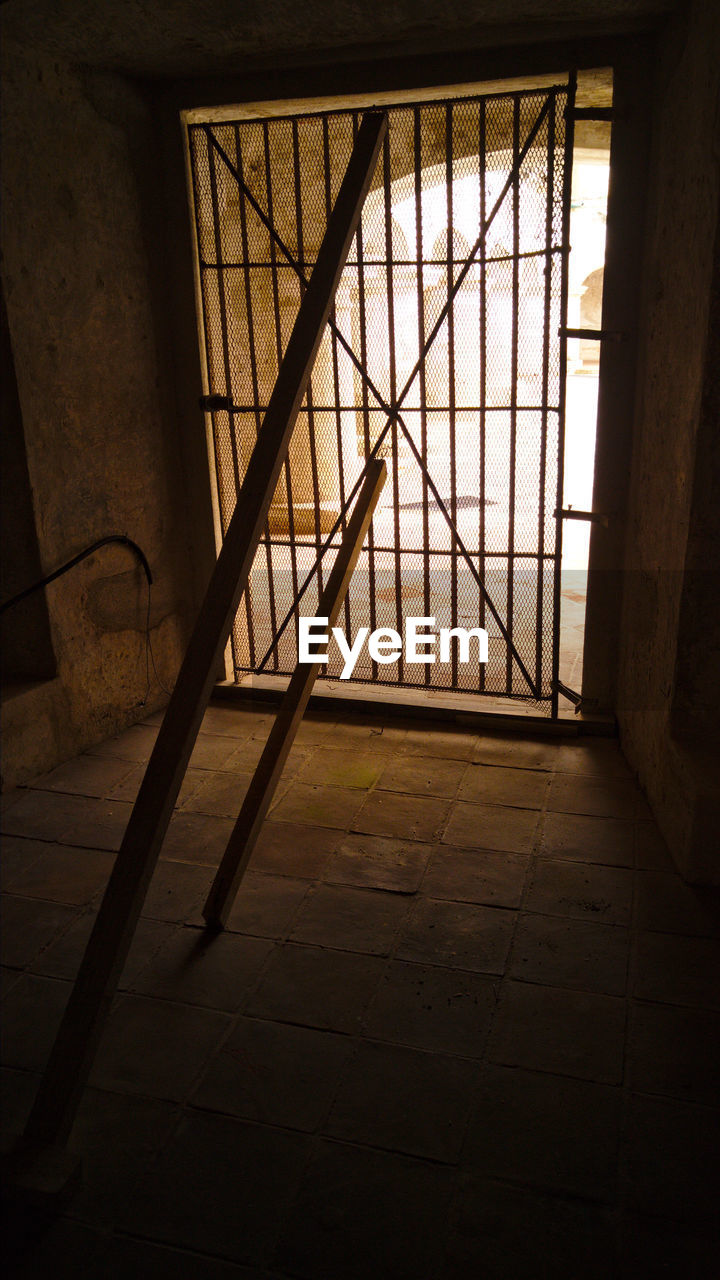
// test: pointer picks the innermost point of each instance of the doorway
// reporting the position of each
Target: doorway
(446, 354)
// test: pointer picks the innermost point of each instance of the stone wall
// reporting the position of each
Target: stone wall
(668, 690)
(83, 298)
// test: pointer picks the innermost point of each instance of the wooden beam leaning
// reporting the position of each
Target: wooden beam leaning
(292, 708)
(74, 1050)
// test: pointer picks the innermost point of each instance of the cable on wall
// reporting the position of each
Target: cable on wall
(123, 540)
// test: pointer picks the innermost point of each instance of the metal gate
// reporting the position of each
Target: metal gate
(444, 354)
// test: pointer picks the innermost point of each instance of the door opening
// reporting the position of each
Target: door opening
(445, 354)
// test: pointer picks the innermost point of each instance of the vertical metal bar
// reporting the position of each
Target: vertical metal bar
(309, 393)
(224, 331)
(564, 271)
(513, 385)
(194, 135)
(483, 369)
(542, 502)
(419, 255)
(450, 255)
(366, 413)
(278, 344)
(222, 305)
(393, 392)
(255, 383)
(335, 362)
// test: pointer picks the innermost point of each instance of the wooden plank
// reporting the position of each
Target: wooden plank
(75, 1046)
(282, 735)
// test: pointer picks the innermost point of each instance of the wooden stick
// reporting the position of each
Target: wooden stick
(76, 1044)
(282, 735)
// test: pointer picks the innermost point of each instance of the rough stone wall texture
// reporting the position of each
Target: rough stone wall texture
(658, 637)
(95, 400)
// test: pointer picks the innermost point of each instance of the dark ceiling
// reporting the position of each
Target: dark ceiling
(195, 37)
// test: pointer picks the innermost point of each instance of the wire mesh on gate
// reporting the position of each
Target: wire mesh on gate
(442, 354)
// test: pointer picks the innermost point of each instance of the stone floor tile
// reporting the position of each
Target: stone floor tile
(459, 934)
(339, 767)
(573, 1033)
(432, 1008)
(580, 954)
(318, 806)
(316, 988)
(18, 1094)
(597, 797)
(197, 838)
(294, 849)
(215, 971)
(28, 926)
(665, 904)
(62, 958)
(581, 891)
(246, 757)
(671, 1160)
(265, 905)
(80, 820)
(387, 813)
(672, 969)
(547, 1131)
(31, 1016)
(517, 752)
(156, 1048)
(654, 1247)
(600, 757)
(275, 1073)
(446, 744)
(378, 862)
(491, 784)
(213, 751)
(34, 1248)
(476, 875)
(491, 826)
(71, 1250)
(404, 1100)
(132, 1129)
(418, 775)
(134, 744)
(86, 776)
(64, 874)
(220, 1186)
(218, 794)
(580, 838)
(504, 1232)
(362, 920)
(235, 721)
(319, 731)
(17, 854)
(362, 1213)
(122, 1256)
(177, 891)
(10, 796)
(651, 851)
(8, 978)
(675, 1051)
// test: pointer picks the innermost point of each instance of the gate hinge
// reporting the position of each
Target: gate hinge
(216, 403)
(595, 335)
(568, 513)
(590, 113)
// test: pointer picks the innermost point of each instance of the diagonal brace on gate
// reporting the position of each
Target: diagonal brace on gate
(394, 414)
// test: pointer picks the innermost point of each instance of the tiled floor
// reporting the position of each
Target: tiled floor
(464, 1022)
